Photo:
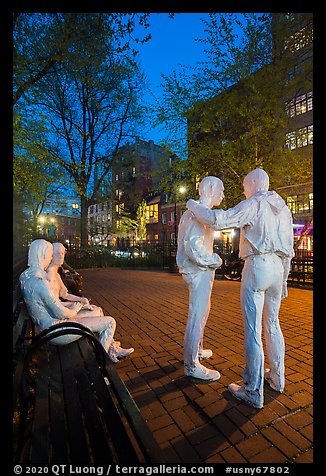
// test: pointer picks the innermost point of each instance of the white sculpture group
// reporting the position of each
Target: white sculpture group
(266, 246)
(42, 289)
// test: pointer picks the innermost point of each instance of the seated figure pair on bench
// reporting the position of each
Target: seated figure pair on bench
(42, 288)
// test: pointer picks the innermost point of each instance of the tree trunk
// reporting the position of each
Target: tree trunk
(83, 222)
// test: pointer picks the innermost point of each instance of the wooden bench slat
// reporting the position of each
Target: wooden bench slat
(78, 443)
(41, 422)
(111, 408)
(93, 422)
(59, 425)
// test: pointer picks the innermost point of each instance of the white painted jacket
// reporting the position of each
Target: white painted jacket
(195, 246)
(264, 219)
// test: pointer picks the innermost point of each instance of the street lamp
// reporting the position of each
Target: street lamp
(181, 191)
(173, 248)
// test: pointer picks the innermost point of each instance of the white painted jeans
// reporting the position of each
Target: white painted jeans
(200, 283)
(261, 288)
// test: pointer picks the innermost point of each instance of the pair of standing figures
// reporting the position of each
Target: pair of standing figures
(266, 246)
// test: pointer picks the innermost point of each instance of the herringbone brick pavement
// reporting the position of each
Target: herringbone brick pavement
(203, 422)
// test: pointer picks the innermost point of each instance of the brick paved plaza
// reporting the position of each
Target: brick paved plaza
(204, 423)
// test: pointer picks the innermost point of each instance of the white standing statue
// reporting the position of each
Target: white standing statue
(197, 263)
(60, 290)
(266, 245)
(46, 309)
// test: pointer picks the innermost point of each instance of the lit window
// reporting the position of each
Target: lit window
(300, 39)
(152, 213)
(300, 138)
(300, 203)
(299, 104)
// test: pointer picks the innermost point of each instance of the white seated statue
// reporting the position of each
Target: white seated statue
(46, 309)
(60, 290)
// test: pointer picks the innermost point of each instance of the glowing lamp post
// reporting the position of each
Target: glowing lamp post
(181, 191)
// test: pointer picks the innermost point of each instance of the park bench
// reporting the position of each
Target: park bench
(70, 404)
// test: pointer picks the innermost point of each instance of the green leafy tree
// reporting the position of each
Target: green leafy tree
(232, 105)
(141, 220)
(35, 178)
(44, 40)
(88, 97)
(125, 225)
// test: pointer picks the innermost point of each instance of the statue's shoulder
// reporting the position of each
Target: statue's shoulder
(186, 217)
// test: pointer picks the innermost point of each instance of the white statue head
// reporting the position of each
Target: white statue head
(256, 181)
(59, 252)
(211, 191)
(40, 254)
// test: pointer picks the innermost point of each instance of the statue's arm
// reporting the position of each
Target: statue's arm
(286, 267)
(237, 217)
(286, 233)
(195, 249)
(68, 296)
(202, 213)
(72, 297)
(54, 305)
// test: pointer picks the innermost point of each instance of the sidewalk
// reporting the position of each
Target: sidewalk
(204, 423)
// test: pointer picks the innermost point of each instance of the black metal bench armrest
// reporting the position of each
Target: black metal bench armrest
(66, 328)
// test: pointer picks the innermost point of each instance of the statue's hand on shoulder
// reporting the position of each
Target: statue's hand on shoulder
(190, 204)
(218, 259)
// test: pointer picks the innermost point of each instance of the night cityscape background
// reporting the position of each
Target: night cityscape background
(117, 118)
(111, 139)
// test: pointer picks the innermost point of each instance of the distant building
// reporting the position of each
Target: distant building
(137, 174)
(162, 219)
(60, 220)
(134, 177)
(299, 134)
(292, 32)
(100, 220)
(299, 198)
